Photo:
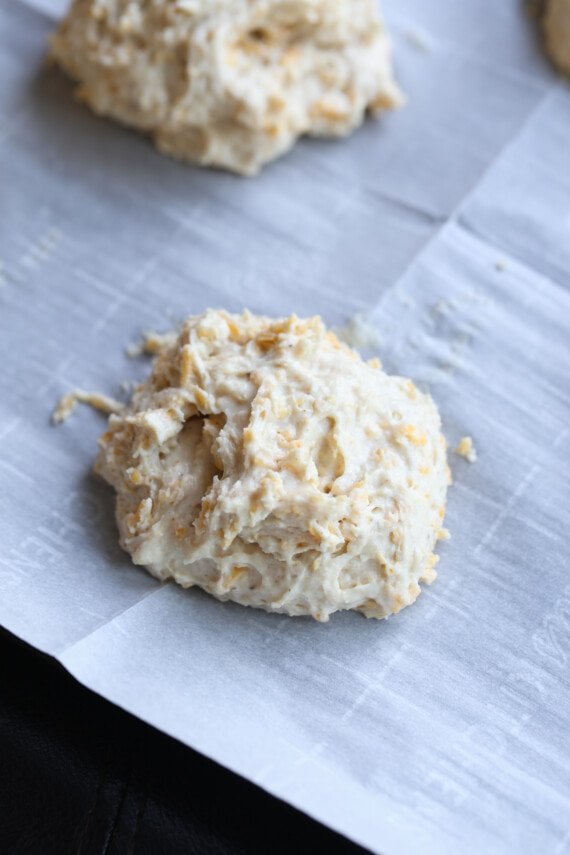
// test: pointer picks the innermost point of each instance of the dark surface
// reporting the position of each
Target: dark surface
(79, 775)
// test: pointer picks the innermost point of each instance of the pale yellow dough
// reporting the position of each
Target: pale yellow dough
(266, 462)
(229, 83)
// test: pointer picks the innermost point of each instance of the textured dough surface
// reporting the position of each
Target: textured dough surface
(266, 462)
(557, 32)
(229, 83)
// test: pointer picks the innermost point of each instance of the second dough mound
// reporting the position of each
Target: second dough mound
(269, 464)
(229, 83)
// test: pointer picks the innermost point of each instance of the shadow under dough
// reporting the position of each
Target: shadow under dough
(83, 145)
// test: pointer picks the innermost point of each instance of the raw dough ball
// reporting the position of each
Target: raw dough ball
(229, 83)
(557, 32)
(269, 464)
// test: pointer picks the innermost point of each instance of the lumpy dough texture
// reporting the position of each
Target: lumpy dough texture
(266, 462)
(229, 83)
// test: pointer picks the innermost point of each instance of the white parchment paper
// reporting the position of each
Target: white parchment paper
(444, 729)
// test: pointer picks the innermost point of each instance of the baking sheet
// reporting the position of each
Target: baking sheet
(445, 728)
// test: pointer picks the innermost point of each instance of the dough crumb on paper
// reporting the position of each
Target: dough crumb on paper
(466, 449)
(266, 462)
(100, 402)
(230, 83)
(359, 333)
(149, 345)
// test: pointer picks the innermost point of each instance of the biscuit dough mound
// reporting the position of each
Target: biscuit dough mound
(556, 25)
(229, 83)
(266, 462)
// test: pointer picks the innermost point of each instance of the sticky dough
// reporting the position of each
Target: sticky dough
(229, 83)
(266, 462)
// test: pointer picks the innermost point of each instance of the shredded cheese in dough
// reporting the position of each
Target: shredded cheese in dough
(266, 462)
(229, 83)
